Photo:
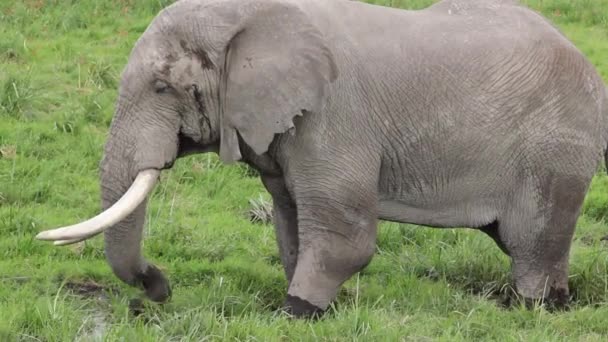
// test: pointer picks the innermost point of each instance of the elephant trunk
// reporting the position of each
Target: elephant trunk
(133, 157)
(135, 151)
(123, 239)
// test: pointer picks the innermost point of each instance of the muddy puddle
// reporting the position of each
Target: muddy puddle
(95, 322)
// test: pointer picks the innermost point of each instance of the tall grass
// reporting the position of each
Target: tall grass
(17, 94)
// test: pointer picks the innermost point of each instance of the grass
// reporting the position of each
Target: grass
(59, 63)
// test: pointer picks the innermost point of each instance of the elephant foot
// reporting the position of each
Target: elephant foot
(300, 308)
(557, 299)
(155, 284)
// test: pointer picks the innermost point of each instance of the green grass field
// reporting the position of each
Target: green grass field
(59, 67)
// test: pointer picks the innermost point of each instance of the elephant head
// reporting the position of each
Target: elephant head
(206, 75)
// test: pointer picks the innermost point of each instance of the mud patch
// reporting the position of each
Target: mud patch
(87, 288)
(95, 323)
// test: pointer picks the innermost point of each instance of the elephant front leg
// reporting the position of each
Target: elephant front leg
(337, 236)
(285, 222)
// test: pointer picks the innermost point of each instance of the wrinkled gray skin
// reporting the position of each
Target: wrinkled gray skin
(472, 114)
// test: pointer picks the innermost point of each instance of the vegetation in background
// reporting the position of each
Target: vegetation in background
(59, 66)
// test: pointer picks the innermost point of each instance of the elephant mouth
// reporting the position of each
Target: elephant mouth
(138, 191)
(188, 146)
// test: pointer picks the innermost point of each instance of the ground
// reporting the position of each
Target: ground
(59, 66)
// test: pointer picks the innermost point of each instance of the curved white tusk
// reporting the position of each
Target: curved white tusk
(70, 242)
(137, 193)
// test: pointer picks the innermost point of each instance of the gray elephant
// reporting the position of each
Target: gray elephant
(472, 114)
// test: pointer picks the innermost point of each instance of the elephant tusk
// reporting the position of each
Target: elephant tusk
(70, 242)
(135, 195)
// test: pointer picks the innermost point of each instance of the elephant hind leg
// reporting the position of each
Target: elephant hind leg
(537, 233)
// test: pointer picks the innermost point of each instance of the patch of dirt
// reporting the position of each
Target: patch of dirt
(8, 152)
(87, 288)
(97, 315)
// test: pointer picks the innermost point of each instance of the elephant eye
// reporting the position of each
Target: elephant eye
(161, 87)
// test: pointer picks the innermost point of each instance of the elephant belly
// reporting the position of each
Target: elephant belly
(456, 192)
(472, 214)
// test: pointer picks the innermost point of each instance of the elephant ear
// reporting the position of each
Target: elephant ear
(277, 66)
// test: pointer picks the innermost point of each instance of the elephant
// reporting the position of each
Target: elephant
(478, 114)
